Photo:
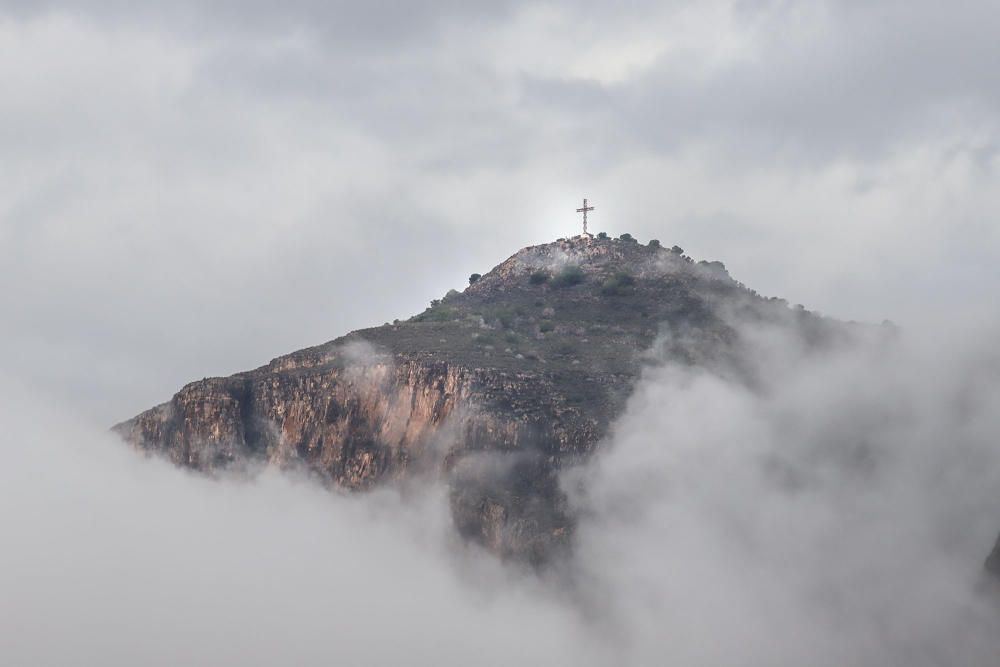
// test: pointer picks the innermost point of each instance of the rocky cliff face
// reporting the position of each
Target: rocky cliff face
(495, 389)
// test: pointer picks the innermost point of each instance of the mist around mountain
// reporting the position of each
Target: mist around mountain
(774, 487)
(496, 389)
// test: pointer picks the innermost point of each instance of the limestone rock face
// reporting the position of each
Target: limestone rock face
(495, 389)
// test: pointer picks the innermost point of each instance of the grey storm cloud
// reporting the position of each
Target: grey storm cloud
(826, 79)
(349, 24)
(867, 78)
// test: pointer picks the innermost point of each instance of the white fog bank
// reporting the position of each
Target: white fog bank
(110, 559)
(838, 514)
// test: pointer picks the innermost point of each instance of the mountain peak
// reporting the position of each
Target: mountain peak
(596, 257)
(494, 389)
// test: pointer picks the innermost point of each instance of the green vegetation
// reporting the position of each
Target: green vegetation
(437, 313)
(714, 265)
(654, 243)
(602, 235)
(546, 326)
(626, 237)
(571, 275)
(474, 278)
(505, 316)
(538, 277)
(485, 339)
(677, 250)
(619, 284)
(568, 348)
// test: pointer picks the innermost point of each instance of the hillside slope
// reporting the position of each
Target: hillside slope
(495, 389)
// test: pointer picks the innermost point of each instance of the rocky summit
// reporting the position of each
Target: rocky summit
(494, 390)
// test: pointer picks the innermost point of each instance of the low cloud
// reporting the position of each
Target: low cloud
(110, 558)
(835, 510)
(192, 188)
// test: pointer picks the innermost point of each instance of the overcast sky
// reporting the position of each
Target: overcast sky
(192, 188)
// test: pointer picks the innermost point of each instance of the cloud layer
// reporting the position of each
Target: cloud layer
(192, 188)
(837, 513)
(113, 559)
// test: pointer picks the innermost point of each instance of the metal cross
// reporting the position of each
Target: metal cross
(584, 211)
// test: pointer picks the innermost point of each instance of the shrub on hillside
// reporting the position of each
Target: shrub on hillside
(571, 275)
(715, 267)
(568, 348)
(484, 338)
(619, 284)
(474, 278)
(437, 314)
(506, 317)
(538, 277)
